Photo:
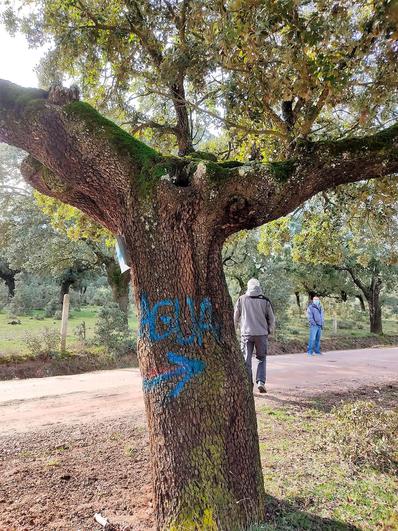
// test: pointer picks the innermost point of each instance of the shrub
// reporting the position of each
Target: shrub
(3, 295)
(344, 325)
(31, 293)
(58, 315)
(51, 307)
(112, 332)
(80, 332)
(364, 434)
(46, 343)
(98, 296)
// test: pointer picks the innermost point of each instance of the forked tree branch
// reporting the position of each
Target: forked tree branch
(89, 162)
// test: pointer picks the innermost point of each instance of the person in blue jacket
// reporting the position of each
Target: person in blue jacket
(316, 321)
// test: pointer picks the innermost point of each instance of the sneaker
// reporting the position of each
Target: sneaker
(310, 354)
(261, 387)
(319, 353)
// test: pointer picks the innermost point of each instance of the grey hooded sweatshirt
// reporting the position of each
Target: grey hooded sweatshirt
(254, 311)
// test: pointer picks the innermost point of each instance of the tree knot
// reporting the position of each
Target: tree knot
(60, 95)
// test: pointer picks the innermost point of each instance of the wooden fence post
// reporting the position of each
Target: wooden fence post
(64, 322)
(335, 323)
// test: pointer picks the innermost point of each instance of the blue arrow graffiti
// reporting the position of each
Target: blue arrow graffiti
(187, 368)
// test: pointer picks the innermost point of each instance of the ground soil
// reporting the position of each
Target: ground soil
(58, 478)
(72, 472)
(43, 366)
(73, 446)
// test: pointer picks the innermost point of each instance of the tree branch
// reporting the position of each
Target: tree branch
(85, 160)
(78, 156)
(278, 188)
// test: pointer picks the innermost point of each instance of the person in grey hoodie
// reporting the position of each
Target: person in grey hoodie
(253, 311)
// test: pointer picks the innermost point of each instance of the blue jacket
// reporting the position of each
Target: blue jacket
(315, 315)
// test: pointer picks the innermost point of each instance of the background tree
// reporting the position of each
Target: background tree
(79, 228)
(354, 231)
(242, 261)
(8, 275)
(176, 212)
(29, 240)
(29, 243)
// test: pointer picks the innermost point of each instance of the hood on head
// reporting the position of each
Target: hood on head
(254, 291)
(253, 287)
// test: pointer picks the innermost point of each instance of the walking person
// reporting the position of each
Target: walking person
(316, 322)
(254, 314)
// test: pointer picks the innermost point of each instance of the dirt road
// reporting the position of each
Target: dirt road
(26, 405)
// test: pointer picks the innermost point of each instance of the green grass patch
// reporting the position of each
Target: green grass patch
(310, 485)
(12, 343)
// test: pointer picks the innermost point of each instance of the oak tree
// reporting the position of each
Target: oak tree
(279, 72)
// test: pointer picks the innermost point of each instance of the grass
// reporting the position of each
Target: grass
(12, 336)
(319, 490)
(355, 327)
(296, 328)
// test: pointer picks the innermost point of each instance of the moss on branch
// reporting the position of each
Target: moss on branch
(118, 137)
(14, 97)
(281, 171)
(378, 142)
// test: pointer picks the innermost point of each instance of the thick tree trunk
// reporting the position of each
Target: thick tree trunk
(8, 275)
(119, 284)
(200, 408)
(64, 290)
(374, 304)
(10, 283)
(372, 295)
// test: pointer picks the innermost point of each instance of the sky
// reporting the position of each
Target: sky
(17, 60)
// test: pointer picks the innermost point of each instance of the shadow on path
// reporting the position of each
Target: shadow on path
(284, 516)
(386, 394)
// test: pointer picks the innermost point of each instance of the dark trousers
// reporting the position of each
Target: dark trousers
(247, 345)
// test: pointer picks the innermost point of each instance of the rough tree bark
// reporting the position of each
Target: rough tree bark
(372, 296)
(374, 304)
(175, 214)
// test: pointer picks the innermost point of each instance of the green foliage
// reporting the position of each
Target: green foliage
(51, 307)
(364, 434)
(112, 332)
(268, 71)
(345, 240)
(58, 315)
(31, 293)
(67, 219)
(3, 295)
(47, 343)
(98, 295)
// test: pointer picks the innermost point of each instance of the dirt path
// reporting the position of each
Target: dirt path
(27, 405)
